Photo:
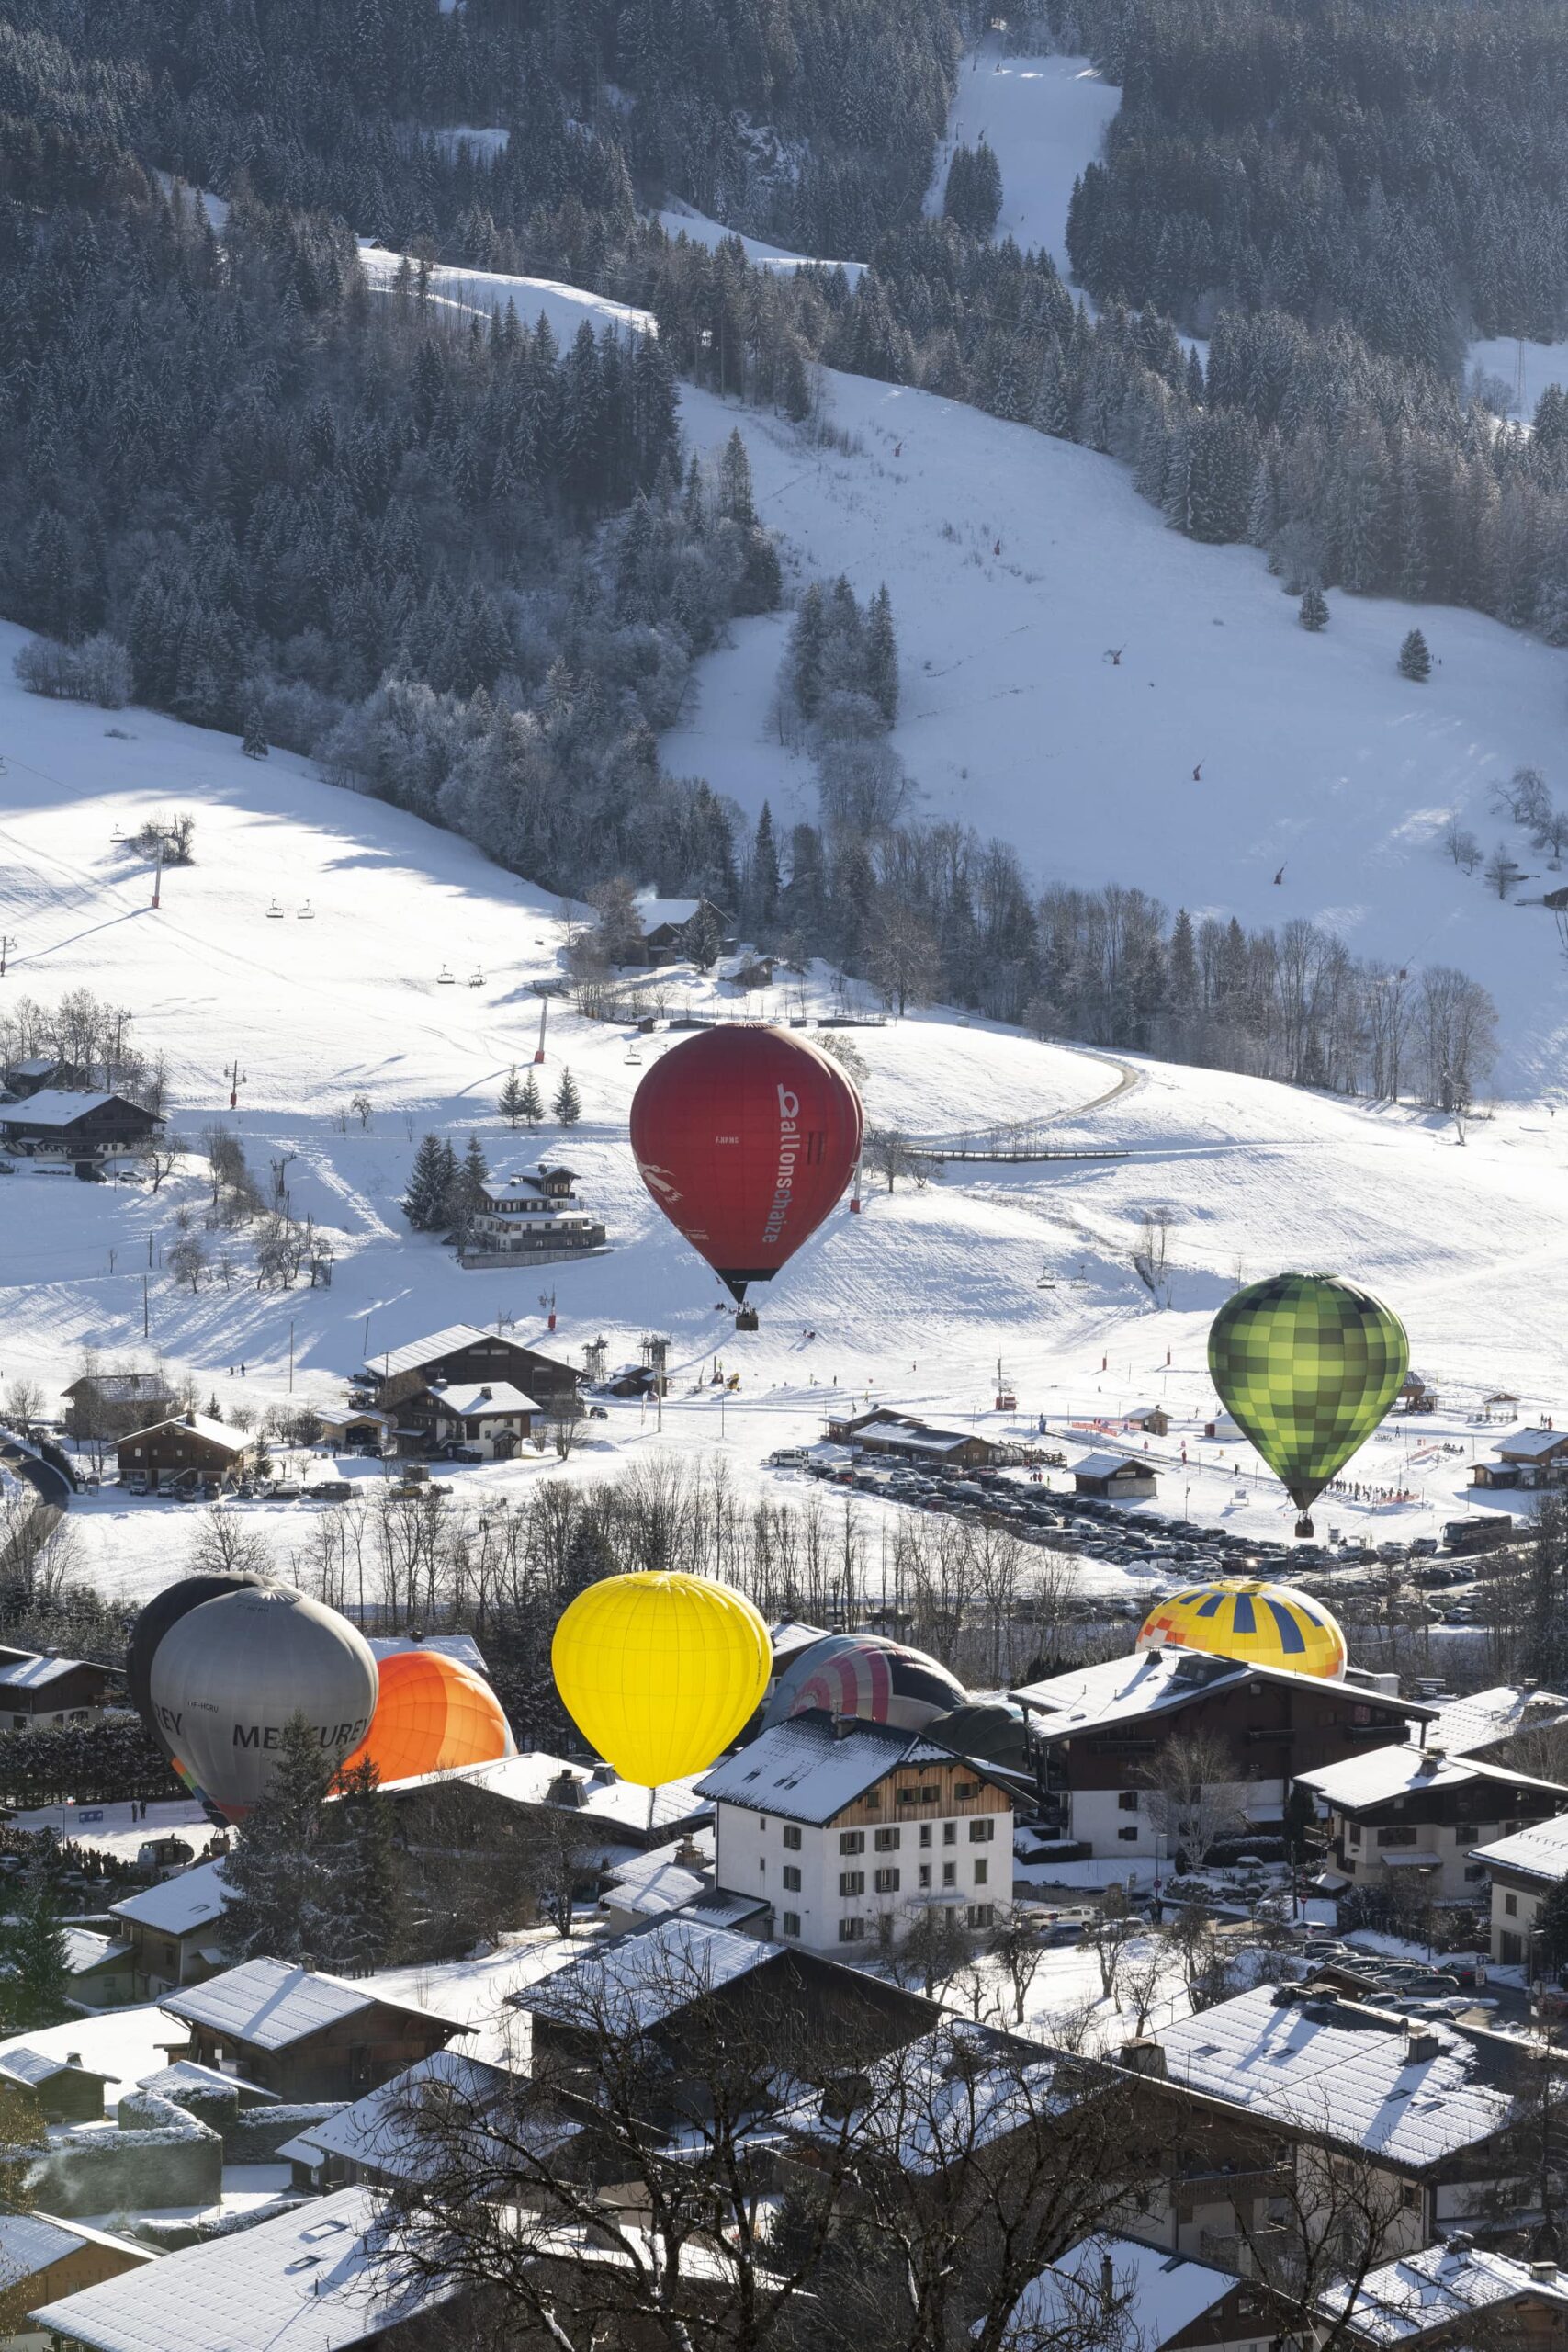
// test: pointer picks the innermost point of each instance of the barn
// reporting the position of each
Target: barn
(173, 1451)
(56, 1124)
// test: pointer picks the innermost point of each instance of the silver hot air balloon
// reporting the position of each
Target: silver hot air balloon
(227, 1677)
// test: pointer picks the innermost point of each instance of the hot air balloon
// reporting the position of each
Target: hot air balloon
(865, 1675)
(228, 1674)
(1307, 1365)
(432, 1713)
(745, 1136)
(165, 1609)
(1263, 1624)
(659, 1671)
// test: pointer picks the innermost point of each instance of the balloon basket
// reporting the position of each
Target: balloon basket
(1303, 1525)
(746, 1319)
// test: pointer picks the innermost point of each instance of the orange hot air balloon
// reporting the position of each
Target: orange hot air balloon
(432, 1713)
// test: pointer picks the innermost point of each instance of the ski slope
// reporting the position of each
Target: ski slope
(914, 1300)
(1044, 119)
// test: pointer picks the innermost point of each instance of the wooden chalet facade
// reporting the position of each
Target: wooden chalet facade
(1418, 1812)
(56, 1124)
(1098, 1731)
(463, 1355)
(900, 1436)
(1115, 1478)
(46, 1694)
(302, 2035)
(189, 1446)
(111, 1404)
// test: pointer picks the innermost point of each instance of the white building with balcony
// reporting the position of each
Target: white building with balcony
(533, 1219)
(849, 1830)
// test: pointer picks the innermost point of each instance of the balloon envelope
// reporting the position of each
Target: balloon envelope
(865, 1675)
(660, 1671)
(745, 1136)
(432, 1713)
(165, 1609)
(1307, 1365)
(1264, 1624)
(227, 1677)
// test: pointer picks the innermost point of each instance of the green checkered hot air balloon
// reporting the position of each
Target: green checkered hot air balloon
(1307, 1366)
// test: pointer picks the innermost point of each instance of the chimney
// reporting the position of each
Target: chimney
(74, 2057)
(1144, 2056)
(690, 1855)
(1459, 2242)
(1421, 2044)
(1431, 1759)
(1543, 2273)
(1107, 2281)
(308, 1963)
(844, 1724)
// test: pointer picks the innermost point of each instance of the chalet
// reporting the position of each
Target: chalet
(1456, 2293)
(1144, 2296)
(1418, 1395)
(42, 2257)
(1522, 1871)
(850, 1831)
(173, 1930)
(530, 1220)
(601, 1818)
(184, 1447)
(674, 928)
(884, 1432)
(1419, 1810)
(47, 1693)
(65, 2090)
(492, 1419)
(1114, 1478)
(682, 1982)
(28, 1076)
(1528, 1458)
(108, 1404)
(464, 1352)
(56, 1125)
(98, 1970)
(1097, 1732)
(1509, 1720)
(356, 1429)
(378, 2141)
(649, 1886)
(1152, 1421)
(313, 2275)
(303, 2035)
(1254, 2100)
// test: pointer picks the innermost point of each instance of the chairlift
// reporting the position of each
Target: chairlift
(117, 835)
(477, 977)
(274, 913)
(444, 979)
(633, 1055)
(307, 912)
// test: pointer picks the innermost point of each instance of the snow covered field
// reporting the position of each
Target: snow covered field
(1044, 119)
(914, 1301)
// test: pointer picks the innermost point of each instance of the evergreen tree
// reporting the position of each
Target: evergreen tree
(452, 1194)
(37, 1958)
(509, 1101)
(532, 1105)
(283, 1898)
(1415, 661)
(424, 1202)
(253, 741)
(471, 1180)
(764, 870)
(882, 656)
(362, 1856)
(1314, 609)
(568, 1103)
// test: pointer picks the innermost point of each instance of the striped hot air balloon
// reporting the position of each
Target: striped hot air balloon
(865, 1675)
(1260, 1624)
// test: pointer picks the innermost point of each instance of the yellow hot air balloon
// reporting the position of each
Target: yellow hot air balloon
(659, 1671)
(1244, 1618)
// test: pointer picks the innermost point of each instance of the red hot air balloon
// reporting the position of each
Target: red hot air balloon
(745, 1136)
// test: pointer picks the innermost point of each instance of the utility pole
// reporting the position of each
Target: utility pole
(144, 1304)
(236, 1077)
(7, 945)
(544, 1014)
(291, 1355)
(158, 878)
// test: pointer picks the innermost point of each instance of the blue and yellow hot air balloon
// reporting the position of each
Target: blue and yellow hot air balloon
(1258, 1623)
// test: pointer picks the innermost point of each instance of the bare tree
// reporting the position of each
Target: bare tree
(1150, 1250)
(160, 1158)
(1501, 870)
(887, 1152)
(565, 1421)
(1015, 1942)
(24, 1404)
(1194, 1796)
(1107, 1934)
(227, 1545)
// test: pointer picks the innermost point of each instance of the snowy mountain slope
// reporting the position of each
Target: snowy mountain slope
(915, 1299)
(482, 291)
(1044, 119)
(679, 220)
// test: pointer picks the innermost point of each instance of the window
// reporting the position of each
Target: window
(966, 1790)
(1127, 1801)
(791, 1879)
(1466, 1833)
(925, 1873)
(950, 1833)
(1403, 1833)
(851, 1882)
(981, 1833)
(852, 1841)
(1511, 1948)
(950, 1873)
(885, 1882)
(887, 1841)
(791, 1837)
(1354, 1833)
(982, 1871)
(925, 1833)
(1511, 1905)
(1475, 1871)
(980, 1915)
(850, 1930)
(1128, 1836)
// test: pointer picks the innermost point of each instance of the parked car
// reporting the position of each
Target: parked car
(134, 1482)
(330, 1490)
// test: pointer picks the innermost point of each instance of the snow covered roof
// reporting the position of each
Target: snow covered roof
(1532, 1445)
(1106, 1466)
(217, 1433)
(271, 2005)
(184, 2075)
(36, 1066)
(1540, 1853)
(932, 2102)
(85, 1949)
(31, 1673)
(306, 2281)
(1486, 1718)
(1148, 1683)
(409, 1357)
(119, 1387)
(481, 1400)
(54, 1106)
(1438, 2288)
(175, 1906)
(1340, 2071)
(651, 1885)
(654, 912)
(1159, 2294)
(31, 2241)
(804, 1770)
(36, 2066)
(381, 2130)
(795, 1634)
(1357, 1782)
(599, 1795)
(636, 1982)
(462, 1647)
